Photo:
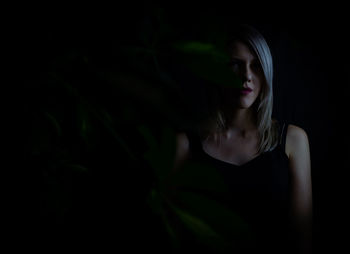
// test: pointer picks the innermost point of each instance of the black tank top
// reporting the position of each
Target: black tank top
(257, 191)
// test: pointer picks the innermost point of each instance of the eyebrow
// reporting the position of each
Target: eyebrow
(238, 58)
(241, 60)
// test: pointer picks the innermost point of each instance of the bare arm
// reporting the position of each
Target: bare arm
(301, 200)
(182, 150)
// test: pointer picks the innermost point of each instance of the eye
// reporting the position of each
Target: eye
(233, 64)
(257, 66)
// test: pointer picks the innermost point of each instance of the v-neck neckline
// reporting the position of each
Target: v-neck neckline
(230, 163)
(261, 155)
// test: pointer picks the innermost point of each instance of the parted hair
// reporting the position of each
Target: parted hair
(268, 128)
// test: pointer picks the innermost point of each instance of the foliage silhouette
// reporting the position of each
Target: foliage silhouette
(90, 107)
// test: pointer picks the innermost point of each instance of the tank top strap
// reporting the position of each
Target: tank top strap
(283, 135)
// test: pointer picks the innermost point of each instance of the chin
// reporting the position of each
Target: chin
(244, 104)
(243, 107)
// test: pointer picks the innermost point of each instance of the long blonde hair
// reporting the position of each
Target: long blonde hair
(268, 128)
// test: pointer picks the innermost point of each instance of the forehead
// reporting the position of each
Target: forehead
(241, 50)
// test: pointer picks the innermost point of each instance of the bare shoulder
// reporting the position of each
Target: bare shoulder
(296, 132)
(182, 143)
(182, 139)
(182, 149)
(296, 139)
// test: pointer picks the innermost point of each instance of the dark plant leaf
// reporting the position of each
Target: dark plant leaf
(207, 62)
(224, 220)
(204, 234)
(160, 155)
(55, 123)
(198, 175)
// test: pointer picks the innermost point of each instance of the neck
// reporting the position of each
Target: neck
(240, 122)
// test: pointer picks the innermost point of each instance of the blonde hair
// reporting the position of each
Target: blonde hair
(268, 128)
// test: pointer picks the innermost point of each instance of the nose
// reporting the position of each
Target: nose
(247, 74)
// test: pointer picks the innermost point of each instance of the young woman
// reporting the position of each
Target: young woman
(266, 163)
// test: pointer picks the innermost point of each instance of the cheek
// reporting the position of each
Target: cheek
(258, 84)
(257, 91)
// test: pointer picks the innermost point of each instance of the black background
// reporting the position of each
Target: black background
(311, 89)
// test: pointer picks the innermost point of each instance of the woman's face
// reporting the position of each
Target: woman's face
(246, 65)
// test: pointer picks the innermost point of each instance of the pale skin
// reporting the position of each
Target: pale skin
(239, 143)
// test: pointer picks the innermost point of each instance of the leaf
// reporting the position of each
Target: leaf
(222, 219)
(149, 138)
(160, 155)
(55, 123)
(84, 122)
(199, 227)
(106, 120)
(200, 176)
(77, 167)
(202, 191)
(203, 232)
(207, 62)
(154, 201)
(194, 47)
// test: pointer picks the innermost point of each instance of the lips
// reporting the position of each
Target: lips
(246, 90)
